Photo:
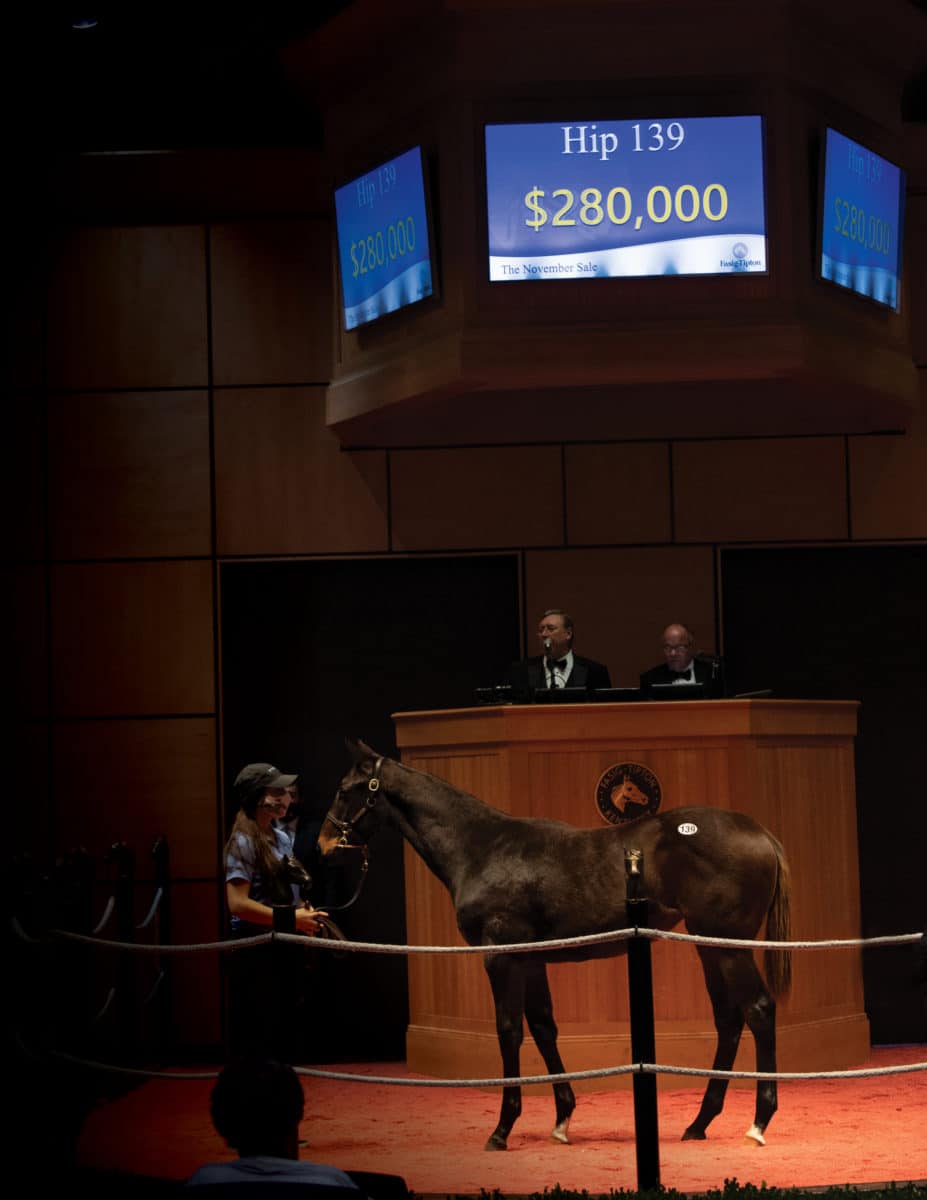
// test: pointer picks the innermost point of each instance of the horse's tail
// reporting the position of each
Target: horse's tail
(778, 963)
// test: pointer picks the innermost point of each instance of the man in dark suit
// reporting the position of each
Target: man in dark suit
(557, 666)
(684, 664)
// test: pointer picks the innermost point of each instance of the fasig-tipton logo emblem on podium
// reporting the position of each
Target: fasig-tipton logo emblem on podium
(627, 790)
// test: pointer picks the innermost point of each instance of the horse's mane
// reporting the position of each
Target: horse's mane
(474, 805)
(442, 785)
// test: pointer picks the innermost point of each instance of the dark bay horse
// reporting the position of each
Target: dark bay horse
(515, 879)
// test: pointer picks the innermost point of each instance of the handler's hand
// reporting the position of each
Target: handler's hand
(307, 919)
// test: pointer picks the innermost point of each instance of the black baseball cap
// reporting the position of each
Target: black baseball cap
(258, 777)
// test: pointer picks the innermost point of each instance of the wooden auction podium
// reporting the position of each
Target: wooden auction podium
(787, 763)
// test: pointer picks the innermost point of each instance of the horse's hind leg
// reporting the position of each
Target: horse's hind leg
(738, 994)
(539, 1013)
(760, 1013)
(507, 977)
(729, 1023)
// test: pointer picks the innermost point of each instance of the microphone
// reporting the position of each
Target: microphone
(713, 661)
(546, 644)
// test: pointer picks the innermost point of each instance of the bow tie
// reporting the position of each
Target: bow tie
(559, 665)
(686, 675)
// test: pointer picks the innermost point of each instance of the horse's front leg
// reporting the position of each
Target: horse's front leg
(539, 1013)
(507, 977)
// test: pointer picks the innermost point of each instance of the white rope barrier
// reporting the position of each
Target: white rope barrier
(521, 1080)
(309, 943)
(602, 1072)
(900, 939)
(151, 948)
(514, 947)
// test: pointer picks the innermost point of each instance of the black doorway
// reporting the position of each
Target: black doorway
(847, 623)
(313, 651)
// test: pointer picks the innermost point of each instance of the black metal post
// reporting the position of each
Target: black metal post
(284, 918)
(126, 990)
(643, 1040)
(164, 1025)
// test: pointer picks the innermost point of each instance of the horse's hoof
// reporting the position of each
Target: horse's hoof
(559, 1135)
(753, 1137)
(693, 1135)
(496, 1143)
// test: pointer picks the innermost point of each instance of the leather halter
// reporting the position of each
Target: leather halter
(347, 829)
(370, 799)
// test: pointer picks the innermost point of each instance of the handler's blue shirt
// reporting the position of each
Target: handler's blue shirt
(240, 864)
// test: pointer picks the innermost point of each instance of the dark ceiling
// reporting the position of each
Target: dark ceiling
(139, 76)
(133, 75)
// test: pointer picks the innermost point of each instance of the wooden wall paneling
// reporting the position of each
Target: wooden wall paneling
(29, 640)
(129, 475)
(127, 308)
(26, 267)
(618, 493)
(888, 480)
(25, 478)
(621, 600)
(283, 484)
(777, 488)
(31, 823)
(197, 975)
(271, 301)
(135, 781)
(914, 284)
(488, 497)
(132, 638)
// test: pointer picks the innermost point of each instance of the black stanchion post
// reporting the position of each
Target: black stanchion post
(126, 990)
(643, 1040)
(160, 852)
(281, 957)
(284, 918)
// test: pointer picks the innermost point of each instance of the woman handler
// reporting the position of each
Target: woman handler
(267, 981)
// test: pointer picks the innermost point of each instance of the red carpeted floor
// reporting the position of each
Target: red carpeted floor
(825, 1132)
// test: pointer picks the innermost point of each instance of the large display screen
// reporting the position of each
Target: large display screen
(861, 220)
(384, 252)
(597, 199)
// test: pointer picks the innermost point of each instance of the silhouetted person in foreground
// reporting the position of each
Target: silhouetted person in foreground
(256, 1106)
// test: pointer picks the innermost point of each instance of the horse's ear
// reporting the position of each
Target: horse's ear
(359, 750)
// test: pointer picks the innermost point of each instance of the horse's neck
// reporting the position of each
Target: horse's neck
(437, 820)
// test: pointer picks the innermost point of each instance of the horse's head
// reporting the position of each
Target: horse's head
(625, 793)
(352, 819)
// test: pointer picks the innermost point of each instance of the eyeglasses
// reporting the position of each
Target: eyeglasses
(675, 649)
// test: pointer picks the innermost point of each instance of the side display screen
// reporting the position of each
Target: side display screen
(384, 252)
(861, 220)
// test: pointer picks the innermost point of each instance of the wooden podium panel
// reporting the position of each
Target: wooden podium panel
(787, 763)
